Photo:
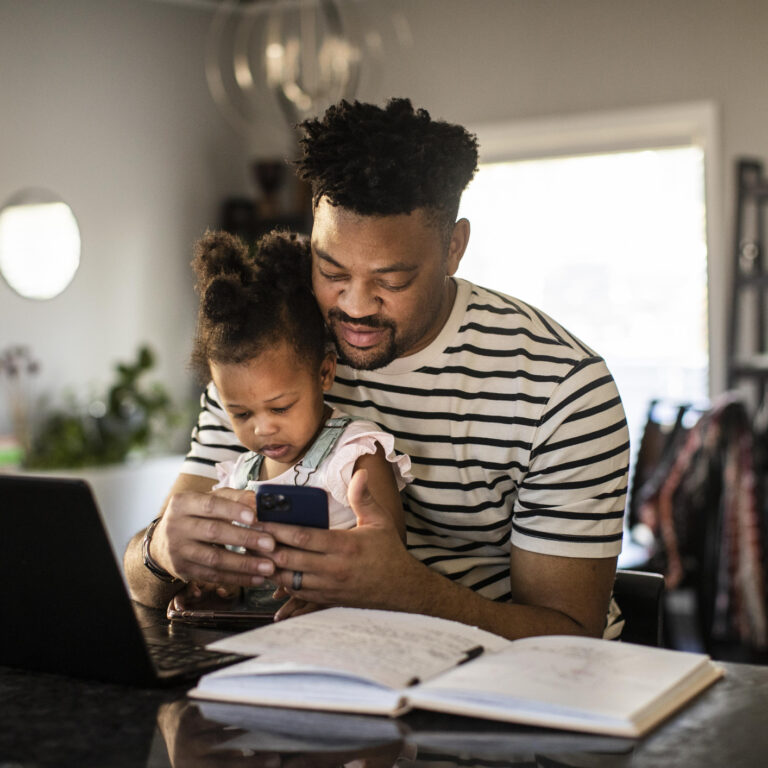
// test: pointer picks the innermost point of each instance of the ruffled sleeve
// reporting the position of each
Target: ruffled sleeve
(224, 472)
(359, 438)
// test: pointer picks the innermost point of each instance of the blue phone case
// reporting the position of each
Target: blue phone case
(295, 505)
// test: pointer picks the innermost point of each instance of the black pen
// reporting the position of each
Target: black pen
(473, 653)
(470, 654)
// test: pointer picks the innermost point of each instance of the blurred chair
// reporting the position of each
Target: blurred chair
(639, 594)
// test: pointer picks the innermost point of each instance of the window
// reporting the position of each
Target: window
(611, 245)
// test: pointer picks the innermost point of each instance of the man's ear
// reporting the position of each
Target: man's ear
(457, 245)
(327, 371)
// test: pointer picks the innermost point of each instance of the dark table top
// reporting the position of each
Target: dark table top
(49, 720)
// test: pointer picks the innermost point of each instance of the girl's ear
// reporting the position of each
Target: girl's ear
(327, 371)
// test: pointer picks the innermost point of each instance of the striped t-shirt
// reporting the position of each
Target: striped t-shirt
(515, 431)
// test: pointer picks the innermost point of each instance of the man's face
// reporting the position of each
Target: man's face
(381, 282)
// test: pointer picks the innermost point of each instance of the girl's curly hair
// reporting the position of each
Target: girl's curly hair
(380, 162)
(250, 301)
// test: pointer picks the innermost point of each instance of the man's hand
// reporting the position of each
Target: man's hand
(188, 542)
(190, 537)
(196, 593)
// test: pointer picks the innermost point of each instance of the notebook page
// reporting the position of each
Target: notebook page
(390, 648)
(594, 678)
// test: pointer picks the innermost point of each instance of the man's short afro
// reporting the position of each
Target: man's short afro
(385, 161)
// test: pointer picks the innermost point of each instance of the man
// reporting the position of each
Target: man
(514, 427)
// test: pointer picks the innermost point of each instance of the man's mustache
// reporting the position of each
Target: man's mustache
(371, 321)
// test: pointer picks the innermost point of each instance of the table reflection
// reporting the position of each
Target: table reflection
(210, 734)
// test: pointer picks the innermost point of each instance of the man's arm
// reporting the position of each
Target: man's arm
(368, 566)
(142, 583)
(187, 542)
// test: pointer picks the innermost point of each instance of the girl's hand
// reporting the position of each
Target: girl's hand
(196, 591)
(295, 606)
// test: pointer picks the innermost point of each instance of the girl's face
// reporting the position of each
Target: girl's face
(275, 402)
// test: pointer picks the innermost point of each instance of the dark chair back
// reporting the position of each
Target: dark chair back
(639, 594)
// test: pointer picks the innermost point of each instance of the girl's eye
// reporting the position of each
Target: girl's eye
(241, 416)
(283, 409)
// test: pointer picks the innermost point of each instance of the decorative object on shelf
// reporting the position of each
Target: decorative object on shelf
(130, 420)
(282, 201)
(270, 178)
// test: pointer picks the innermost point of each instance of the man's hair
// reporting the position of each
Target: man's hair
(384, 161)
(251, 301)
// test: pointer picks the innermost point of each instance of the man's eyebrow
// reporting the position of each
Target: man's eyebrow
(398, 266)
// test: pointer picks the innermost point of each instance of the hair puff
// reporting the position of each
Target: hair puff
(224, 299)
(254, 299)
(220, 253)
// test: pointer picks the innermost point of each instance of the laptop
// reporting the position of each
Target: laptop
(64, 606)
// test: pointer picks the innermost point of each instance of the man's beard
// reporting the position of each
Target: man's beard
(365, 359)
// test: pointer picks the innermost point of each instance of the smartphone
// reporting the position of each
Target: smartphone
(255, 606)
(295, 505)
(250, 607)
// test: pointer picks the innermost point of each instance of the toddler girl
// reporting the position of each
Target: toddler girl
(262, 340)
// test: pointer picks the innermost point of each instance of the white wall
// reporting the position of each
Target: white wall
(105, 102)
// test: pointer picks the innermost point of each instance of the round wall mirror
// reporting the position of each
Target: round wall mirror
(39, 244)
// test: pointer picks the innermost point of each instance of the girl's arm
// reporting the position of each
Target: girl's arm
(382, 485)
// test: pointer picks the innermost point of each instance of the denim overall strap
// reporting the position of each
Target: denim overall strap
(325, 441)
(247, 475)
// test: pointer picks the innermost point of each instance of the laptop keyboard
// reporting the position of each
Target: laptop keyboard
(182, 655)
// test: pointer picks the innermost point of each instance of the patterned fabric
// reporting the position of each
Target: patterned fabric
(702, 504)
(516, 435)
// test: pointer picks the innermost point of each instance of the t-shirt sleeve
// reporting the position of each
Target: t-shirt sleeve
(213, 440)
(359, 438)
(571, 501)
